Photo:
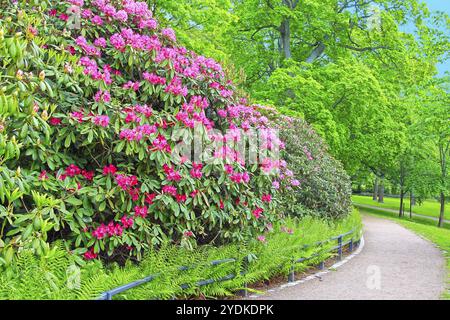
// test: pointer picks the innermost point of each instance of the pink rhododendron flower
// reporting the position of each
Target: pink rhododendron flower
(114, 229)
(89, 255)
(257, 212)
(132, 85)
(171, 174)
(194, 193)
(55, 121)
(176, 88)
(188, 234)
(149, 197)
(276, 185)
(266, 198)
(100, 232)
(43, 175)
(261, 239)
(101, 120)
(169, 34)
(160, 143)
(102, 96)
(127, 222)
(222, 113)
(100, 42)
(141, 211)
(117, 41)
(121, 15)
(97, 20)
(72, 170)
(181, 198)
(78, 116)
(196, 171)
(169, 190)
(144, 109)
(88, 175)
(109, 169)
(295, 183)
(307, 153)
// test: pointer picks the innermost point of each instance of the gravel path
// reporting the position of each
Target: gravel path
(396, 212)
(394, 264)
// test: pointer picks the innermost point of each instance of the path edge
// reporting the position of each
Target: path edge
(318, 274)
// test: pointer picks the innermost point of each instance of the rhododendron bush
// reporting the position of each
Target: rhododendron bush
(324, 188)
(100, 99)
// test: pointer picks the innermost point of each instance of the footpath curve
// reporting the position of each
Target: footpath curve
(395, 264)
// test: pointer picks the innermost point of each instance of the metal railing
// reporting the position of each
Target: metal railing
(339, 248)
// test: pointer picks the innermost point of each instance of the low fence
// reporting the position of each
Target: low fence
(341, 244)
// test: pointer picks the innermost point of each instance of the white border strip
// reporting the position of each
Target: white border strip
(318, 274)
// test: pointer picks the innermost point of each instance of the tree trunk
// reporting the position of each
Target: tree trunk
(401, 211)
(413, 199)
(411, 203)
(375, 189)
(285, 33)
(443, 160)
(441, 213)
(381, 190)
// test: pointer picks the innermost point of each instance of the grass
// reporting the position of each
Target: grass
(427, 208)
(439, 236)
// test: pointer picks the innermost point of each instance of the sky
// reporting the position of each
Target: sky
(440, 5)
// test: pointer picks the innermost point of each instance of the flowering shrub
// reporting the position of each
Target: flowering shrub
(94, 120)
(324, 187)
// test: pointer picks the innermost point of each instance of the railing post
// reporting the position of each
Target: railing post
(350, 246)
(322, 265)
(340, 248)
(108, 296)
(244, 292)
(291, 276)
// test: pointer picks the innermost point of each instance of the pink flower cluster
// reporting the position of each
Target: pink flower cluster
(160, 143)
(110, 230)
(141, 211)
(176, 87)
(196, 171)
(137, 133)
(102, 96)
(90, 254)
(101, 120)
(128, 183)
(88, 49)
(109, 169)
(257, 212)
(266, 198)
(171, 173)
(169, 190)
(73, 170)
(193, 112)
(153, 78)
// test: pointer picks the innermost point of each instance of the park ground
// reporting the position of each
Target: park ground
(410, 257)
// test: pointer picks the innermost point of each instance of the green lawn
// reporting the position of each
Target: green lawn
(427, 208)
(439, 236)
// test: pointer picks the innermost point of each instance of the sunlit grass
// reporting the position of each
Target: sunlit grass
(427, 208)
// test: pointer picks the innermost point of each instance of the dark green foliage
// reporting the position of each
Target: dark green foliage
(325, 187)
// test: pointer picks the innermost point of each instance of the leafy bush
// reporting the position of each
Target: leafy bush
(55, 275)
(91, 117)
(324, 186)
